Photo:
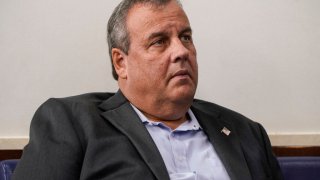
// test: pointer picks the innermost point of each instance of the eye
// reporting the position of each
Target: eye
(186, 38)
(158, 42)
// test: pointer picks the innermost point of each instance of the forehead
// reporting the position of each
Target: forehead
(143, 17)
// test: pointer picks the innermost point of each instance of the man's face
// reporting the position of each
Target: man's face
(161, 63)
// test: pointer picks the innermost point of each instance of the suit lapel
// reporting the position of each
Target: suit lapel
(227, 146)
(118, 111)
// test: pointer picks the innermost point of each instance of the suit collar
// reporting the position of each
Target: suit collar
(118, 111)
(228, 147)
(113, 102)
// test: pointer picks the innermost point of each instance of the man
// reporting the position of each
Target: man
(152, 128)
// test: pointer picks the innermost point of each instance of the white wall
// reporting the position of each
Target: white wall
(261, 58)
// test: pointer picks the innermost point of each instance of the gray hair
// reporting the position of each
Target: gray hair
(117, 33)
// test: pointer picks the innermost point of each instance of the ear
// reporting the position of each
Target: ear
(119, 60)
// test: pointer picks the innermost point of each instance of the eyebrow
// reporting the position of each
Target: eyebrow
(161, 33)
(186, 30)
(157, 34)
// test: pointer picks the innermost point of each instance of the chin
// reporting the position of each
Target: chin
(184, 95)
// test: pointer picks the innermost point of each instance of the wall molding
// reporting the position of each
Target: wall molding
(295, 139)
(13, 142)
(282, 145)
(277, 139)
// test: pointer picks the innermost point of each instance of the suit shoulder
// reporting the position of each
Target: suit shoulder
(75, 102)
(87, 98)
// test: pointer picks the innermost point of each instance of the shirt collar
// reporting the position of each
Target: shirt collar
(191, 124)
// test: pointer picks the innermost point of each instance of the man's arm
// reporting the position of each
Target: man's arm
(54, 150)
(273, 162)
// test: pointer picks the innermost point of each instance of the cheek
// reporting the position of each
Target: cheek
(157, 73)
(135, 70)
(194, 63)
(156, 66)
(150, 68)
(195, 66)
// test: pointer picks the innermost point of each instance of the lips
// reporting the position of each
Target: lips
(181, 73)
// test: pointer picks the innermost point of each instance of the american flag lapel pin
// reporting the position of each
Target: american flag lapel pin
(226, 131)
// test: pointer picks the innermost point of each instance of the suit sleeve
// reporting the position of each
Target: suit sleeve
(54, 150)
(272, 160)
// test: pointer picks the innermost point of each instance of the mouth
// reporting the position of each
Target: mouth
(183, 73)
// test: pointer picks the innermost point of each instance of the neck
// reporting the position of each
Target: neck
(172, 123)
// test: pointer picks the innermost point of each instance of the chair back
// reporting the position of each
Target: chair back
(300, 167)
(7, 167)
(293, 168)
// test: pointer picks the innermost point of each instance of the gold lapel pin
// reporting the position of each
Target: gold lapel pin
(226, 131)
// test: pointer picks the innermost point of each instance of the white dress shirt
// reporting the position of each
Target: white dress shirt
(186, 150)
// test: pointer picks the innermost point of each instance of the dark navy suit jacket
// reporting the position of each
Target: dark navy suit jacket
(99, 136)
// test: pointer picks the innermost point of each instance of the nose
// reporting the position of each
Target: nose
(179, 51)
